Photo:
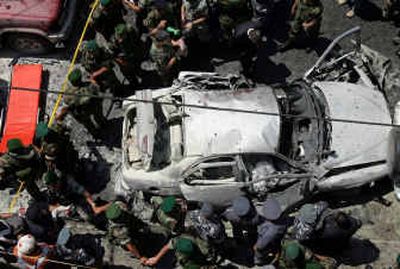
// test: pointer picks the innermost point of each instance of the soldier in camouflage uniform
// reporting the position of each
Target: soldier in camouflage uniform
(190, 252)
(128, 51)
(166, 57)
(295, 256)
(194, 17)
(160, 17)
(106, 16)
(86, 109)
(55, 139)
(122, 226)
(22, 163)
(99, 64)
(231, 14)
(306, 22)
(63, 190)
(170, 214)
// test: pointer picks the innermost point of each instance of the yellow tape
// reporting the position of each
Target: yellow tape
(16, 196)
(71, 66)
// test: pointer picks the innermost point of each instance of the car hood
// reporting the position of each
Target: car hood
(353, 143)
(212, 131)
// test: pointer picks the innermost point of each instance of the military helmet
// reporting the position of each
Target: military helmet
(26, 244)
(41, 130)
(185, 246)
(168, 204)
(14, 144)
(314, 265)
(91, 45)
(115, 210)
(241, 206)
(271, 209)
(293, 251)
(75, 77)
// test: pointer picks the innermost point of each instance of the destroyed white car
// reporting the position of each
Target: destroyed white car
(210, 138)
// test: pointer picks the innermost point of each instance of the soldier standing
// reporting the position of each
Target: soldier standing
(121, 226)
(22, 163)
(160, 17)
(190, 252)
(82, 103)
(99, 64)
(194, 18)
(270, 233)
(165, 57)
(295, 256)
(63, 190)
(128, 51)
(306, 23)
(244, 219)
(106, 16)
(170, 214)
(232, 13)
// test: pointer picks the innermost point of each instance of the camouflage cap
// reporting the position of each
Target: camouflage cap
(105, 3)
(184, 246)
(14, 144)
(41, 130)
(120, 29)
(292, 251)
(114, 211)
(168, 204)
(91, 45)
(75, 76)
(50, 178)
(241, 206)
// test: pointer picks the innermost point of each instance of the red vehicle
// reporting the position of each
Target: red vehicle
(20, 115)
(35, 25)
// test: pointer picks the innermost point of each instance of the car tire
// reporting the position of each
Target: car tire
(28, 43)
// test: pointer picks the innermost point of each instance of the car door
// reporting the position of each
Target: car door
(215, 179)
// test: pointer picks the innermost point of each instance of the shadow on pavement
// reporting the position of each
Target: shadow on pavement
(358, 252)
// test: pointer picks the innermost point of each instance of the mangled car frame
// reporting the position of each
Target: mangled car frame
(211, 138)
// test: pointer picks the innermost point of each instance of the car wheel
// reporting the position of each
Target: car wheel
(28, 43)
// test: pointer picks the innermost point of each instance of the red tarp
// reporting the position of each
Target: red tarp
(22, 111)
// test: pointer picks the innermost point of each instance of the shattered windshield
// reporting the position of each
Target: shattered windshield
(301, 129)
(161, 148)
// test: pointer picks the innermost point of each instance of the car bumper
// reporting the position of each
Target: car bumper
(67, 24)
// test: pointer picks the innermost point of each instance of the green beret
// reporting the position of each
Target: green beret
(75, 76)
(50, 178)
(105, 2)
(114, 211)
(120, 29)
(292, 251)
(184, 246)
(24, 173)
(14, 144)
(313, 265)
(41, 130)
(91, 45)
(168, 204)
